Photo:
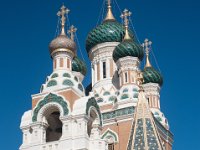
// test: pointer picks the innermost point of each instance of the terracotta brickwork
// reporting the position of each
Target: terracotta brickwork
(69, 95)
(123, 130)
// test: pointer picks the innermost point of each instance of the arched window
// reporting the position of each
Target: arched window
(68, 83)
(93, 120)
(80, 87)
(106, 93)
(111, 138)
(66, 75)
(124, 96)
(51, 83)
(104, 70)
(55, 75)
(54, 130)
(125, 90)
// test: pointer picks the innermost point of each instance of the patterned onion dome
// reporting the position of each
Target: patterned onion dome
(108, 31)
(62, 42)
(128, 48)
(79, 66)
(150, 75)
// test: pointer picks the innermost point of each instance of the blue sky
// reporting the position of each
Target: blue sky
(27, 27)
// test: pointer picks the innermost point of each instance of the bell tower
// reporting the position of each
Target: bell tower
(62, 117)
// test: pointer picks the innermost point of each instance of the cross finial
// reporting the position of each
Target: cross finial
(109, 3)
(125, 16)
(147, 47)
(71, 31)
(126, 13)
(62, 13)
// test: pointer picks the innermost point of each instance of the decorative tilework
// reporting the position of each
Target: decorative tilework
(48, 99)
(68, 82)
(117, 113)
(51, 83)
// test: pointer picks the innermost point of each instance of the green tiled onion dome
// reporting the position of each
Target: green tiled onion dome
(150, 75)
(79, 66)
(108, 31)
(128, 48)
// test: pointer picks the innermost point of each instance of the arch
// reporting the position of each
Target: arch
(76, 79)
(99, 100)
(106, 93)
(67, 75)
(124, 96)
(110, 136)
(93, 103)
(52, 83)
(55, 75)
(47, 103)
(68, 82)
(125, 90)
(94, 119)
(51, 116)
(80, 87)
(112, 98)
(135, 95)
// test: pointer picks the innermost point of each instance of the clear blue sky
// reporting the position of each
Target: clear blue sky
(27, 27)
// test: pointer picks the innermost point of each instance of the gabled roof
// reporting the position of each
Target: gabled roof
(144, 134)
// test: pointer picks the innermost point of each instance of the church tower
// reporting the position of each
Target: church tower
(121, 108)
(62, 117)
(115, 58)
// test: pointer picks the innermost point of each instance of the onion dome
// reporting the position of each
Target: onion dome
(62, 42)
(109, 31)
(79, 66)
(128, 47)
(150, 75)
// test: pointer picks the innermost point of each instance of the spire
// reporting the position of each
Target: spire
(63, 11)
(125, 16)
(144, 134)
(109, 15)
(72, 31)
(147, 47)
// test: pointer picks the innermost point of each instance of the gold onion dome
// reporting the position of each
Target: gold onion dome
(108, 31)
(63, 42)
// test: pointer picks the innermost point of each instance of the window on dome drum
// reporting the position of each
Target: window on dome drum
(104, 69)
(51, 83)
(54, 130)
(68, 82)
(111, 146)
(126, 77)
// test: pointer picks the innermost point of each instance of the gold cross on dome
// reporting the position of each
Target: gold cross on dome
(147, 46)
(71, 31)
(63, 11)
(109, 3)
(125, 16)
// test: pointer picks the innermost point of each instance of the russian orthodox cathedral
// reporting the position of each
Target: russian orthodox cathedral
(119, 110)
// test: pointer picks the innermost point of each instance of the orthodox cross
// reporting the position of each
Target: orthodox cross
(109, 3)
(71, 31)
(147, 46)
(63, 11)
(125, 16)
